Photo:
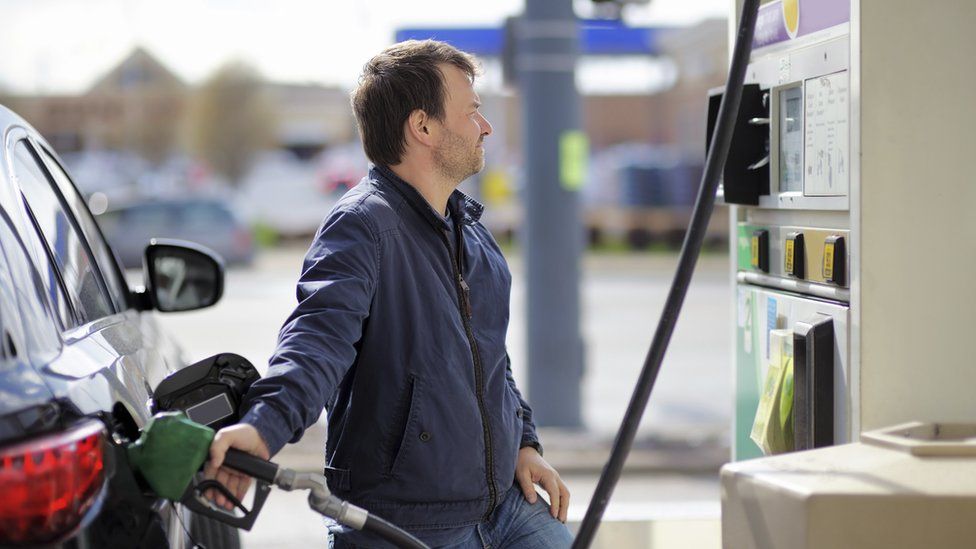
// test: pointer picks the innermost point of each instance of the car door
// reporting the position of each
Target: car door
(112, 354)
(104, 306)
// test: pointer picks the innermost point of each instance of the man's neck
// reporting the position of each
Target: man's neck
(435, 189)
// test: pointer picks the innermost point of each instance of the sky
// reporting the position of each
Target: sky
(62, 46)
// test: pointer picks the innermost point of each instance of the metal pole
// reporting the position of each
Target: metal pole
(546, 53)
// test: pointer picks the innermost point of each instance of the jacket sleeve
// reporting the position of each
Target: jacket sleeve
(529, 435)
(316, 345)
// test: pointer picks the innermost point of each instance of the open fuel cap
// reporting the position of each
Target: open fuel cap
(209, 392)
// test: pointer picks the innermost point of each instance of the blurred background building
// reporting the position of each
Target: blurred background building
(280, 152)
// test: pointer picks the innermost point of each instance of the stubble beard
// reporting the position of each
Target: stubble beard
(457, 160)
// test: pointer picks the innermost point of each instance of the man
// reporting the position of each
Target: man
(400, 332)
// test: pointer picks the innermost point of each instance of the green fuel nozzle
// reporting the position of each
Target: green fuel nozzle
(169, 455)
(172, 449)
(169, 452)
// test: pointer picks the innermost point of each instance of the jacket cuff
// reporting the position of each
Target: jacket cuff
(270, 424)
(531, 443)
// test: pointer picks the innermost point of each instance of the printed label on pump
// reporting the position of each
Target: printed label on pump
(790, 249)
(827, 140)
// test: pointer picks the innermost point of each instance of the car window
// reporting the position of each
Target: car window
(71, 256)
(148, 218)
(205, 214)
(50, 278)
(102, 254)
(22, 290)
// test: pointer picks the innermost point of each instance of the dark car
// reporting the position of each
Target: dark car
(80, 354)
(207, 221)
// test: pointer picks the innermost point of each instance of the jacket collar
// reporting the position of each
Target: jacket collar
(462, 207)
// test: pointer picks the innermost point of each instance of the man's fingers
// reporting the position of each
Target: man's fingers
(238, 485)
(233, 480)
(528, 488)
(563, 500)
(242, 487)
(551, 486)
(218, 448)
(244, 437)
(223, 477)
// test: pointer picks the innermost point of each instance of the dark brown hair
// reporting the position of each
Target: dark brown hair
(400, 79)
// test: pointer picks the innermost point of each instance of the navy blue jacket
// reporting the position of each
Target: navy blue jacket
(400, 334)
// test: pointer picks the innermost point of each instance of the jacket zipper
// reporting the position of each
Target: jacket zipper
(464, 307)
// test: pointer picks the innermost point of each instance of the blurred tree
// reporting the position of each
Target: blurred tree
(230, 119)
(151, 122)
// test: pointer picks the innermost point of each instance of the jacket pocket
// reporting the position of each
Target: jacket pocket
(338, 479)
(405, 414)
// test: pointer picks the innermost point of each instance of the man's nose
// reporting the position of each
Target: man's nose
(485, 126)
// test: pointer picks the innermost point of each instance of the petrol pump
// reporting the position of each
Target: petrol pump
(850, 188)
(789, 183)
(851, 200)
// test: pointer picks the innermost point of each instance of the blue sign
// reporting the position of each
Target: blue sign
(485, 41)
(597, 37)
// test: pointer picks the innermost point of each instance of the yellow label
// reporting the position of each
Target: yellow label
(574, 154)
(789, 256)
(755, 251)
(828, 261)
(496, 187)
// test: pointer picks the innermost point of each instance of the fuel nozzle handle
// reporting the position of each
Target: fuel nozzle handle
(251, 465)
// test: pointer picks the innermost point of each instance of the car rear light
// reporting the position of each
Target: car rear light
(47, 484)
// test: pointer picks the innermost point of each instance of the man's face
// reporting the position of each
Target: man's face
(460, 153)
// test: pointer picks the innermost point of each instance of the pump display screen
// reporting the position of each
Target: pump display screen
(791, 139)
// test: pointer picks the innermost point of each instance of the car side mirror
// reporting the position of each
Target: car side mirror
(182, 276)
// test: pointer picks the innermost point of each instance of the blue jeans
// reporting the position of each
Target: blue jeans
(515, 523)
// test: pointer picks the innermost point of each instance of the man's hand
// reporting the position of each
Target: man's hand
(243, 437)
(531, 469)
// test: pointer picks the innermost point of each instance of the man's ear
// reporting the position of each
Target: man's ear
(419, 127)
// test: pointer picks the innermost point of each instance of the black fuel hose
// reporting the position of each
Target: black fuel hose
(391, 533)
(714, 164)
(267, 471)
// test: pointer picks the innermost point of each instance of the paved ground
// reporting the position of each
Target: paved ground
(683, 435)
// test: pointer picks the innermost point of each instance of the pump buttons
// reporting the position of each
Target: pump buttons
(834, 260)
(760, 250)
(794, 255)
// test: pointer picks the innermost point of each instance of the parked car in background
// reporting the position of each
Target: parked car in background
(206, 221)
(635, 194)
(644, 194)
(280, 195)
(80, 354)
